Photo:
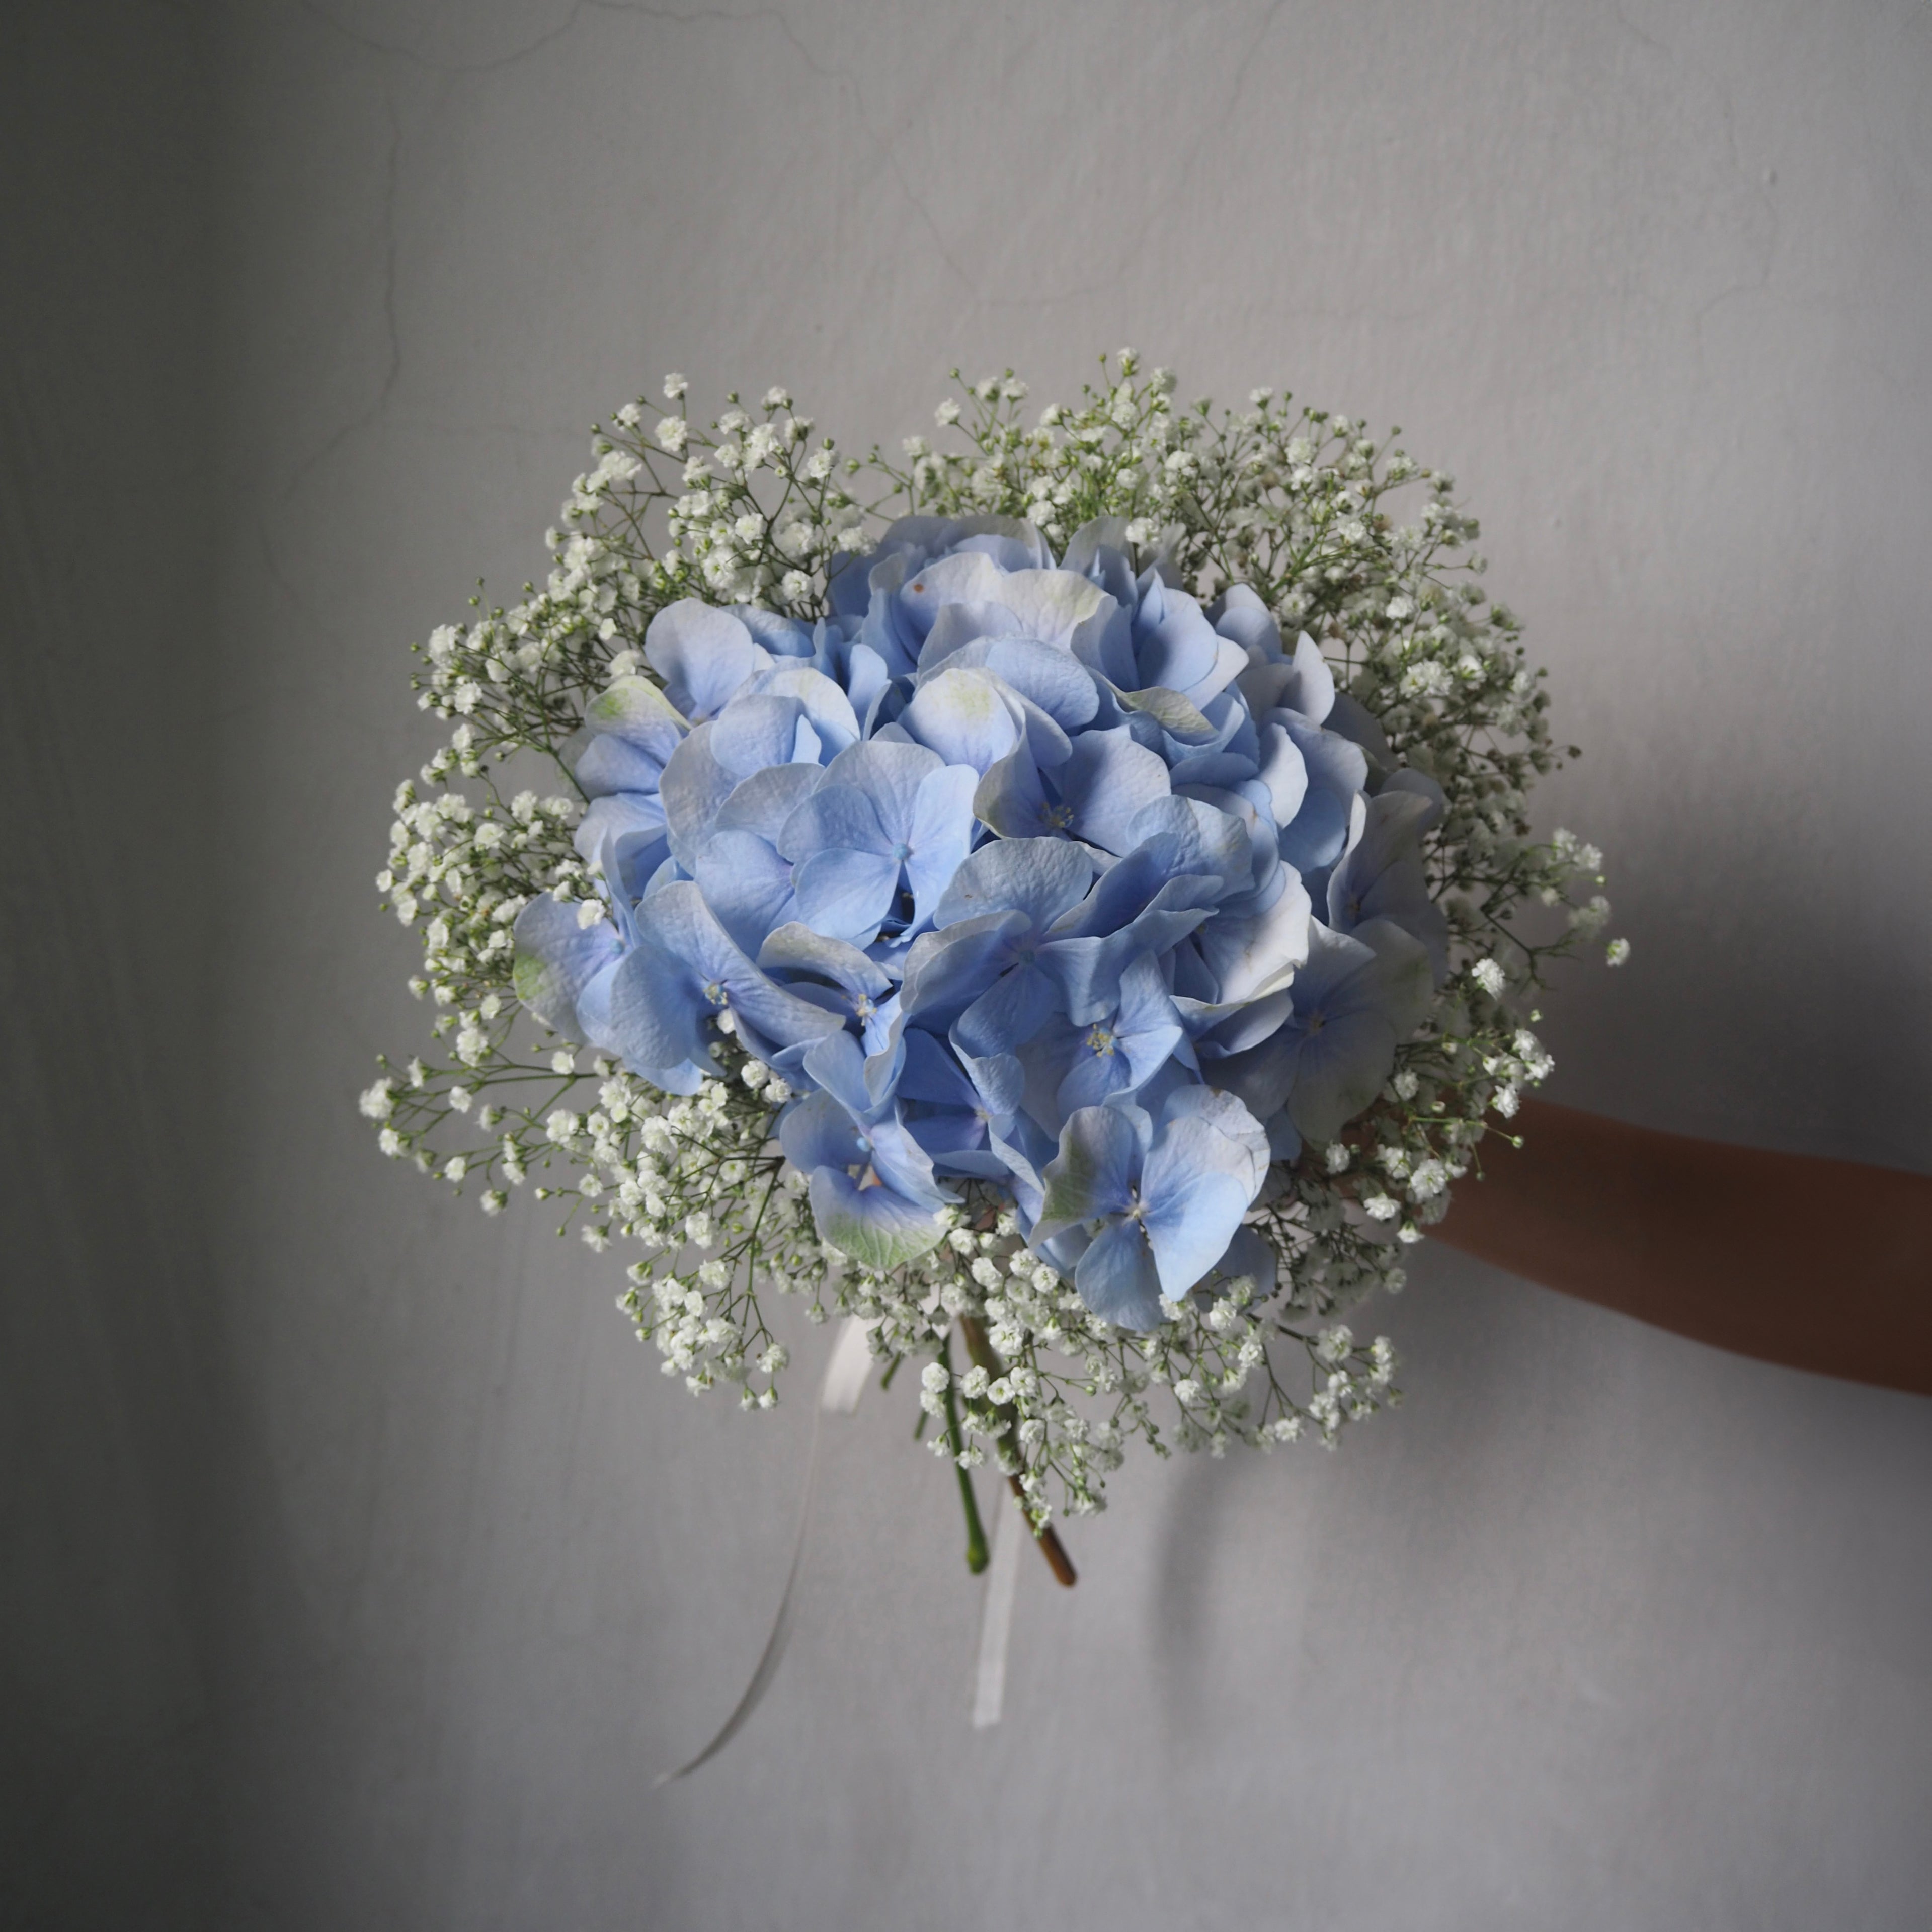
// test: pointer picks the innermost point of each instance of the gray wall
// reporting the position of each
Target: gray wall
(370, 1571)
(109, 1362)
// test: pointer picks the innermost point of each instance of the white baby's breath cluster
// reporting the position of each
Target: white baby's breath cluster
(1012, 1367)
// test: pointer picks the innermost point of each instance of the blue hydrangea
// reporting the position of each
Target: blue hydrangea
(1036, 874)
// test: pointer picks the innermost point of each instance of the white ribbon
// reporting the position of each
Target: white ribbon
(996, 1618)
(845, 1382)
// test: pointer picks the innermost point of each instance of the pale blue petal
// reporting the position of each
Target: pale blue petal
(903, 1165)
(1174, 645)
(817, 1132)
(1285, 772)
(1400, 985)
(1355, 722)
(964, 627)
(555, 958)
(998, 1081)
(610, 764)
(964, 717)
(753, 732)
(1312, 691)
(624, 838)
(657, 1013)
(1118, 1278)
(1011, 798)
(782, 637)
(1092, 1080)
(1408, 779)
(1251, 957)
(1008, 1013)
(1093, 1173)
(1264, 1076)
(1319, 834)
(1052, 605)
(766, 800)
(1207, 843)
(1046, 675)
(941, 835)
(832, 713)
(747, 885)
(837, 1062)
(1243, 617)
(1229, 1118)
(1042, 878)
(946, 971)
(681, 925)
(1335, 763)
(1342, 1068)
(867, 680)
(846, 894)
(835, 818)
(797, 949)
(1193, 1202)
(890, 775)
(932, 1074)
(702, 654)
(873, 1225)
(694, 788)
(634, 710)
(966, 576)
(1230, 661)
(1084, 548)
(1106, 782)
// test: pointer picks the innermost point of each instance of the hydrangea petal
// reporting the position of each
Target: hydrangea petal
(963, 716)
(1011, 798)
(940, 836)
(1101, 1150)
(1009, 1013)
(747, 885)
(604, 765)
(888, 774)
(657, 1010)
(1119, 1278)
(817, 1132)
(753, 732)
(833, 714)
(1042, 878)
(766, 800)
(694, 788)
(1194, 1197)
(946, 971)
(872, 1225)
(555, 957)
(702, 654)
(1106, 782)
(1253, 955)
(796, 948)
(1048, 676)
(846, 894)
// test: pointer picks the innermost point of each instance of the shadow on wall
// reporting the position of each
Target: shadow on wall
(114, 1408)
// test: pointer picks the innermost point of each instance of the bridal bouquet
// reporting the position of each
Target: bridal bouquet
(1069, 889)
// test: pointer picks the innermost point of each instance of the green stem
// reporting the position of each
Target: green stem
(976, 1556)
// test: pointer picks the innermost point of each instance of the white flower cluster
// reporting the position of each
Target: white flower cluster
(753, 508)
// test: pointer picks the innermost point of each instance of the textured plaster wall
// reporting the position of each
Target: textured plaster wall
(1603, 1629)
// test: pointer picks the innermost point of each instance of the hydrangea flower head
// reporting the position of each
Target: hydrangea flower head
(1024, 870)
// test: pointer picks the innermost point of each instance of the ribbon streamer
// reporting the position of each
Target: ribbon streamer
(845, 1382)
(996, 1618)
